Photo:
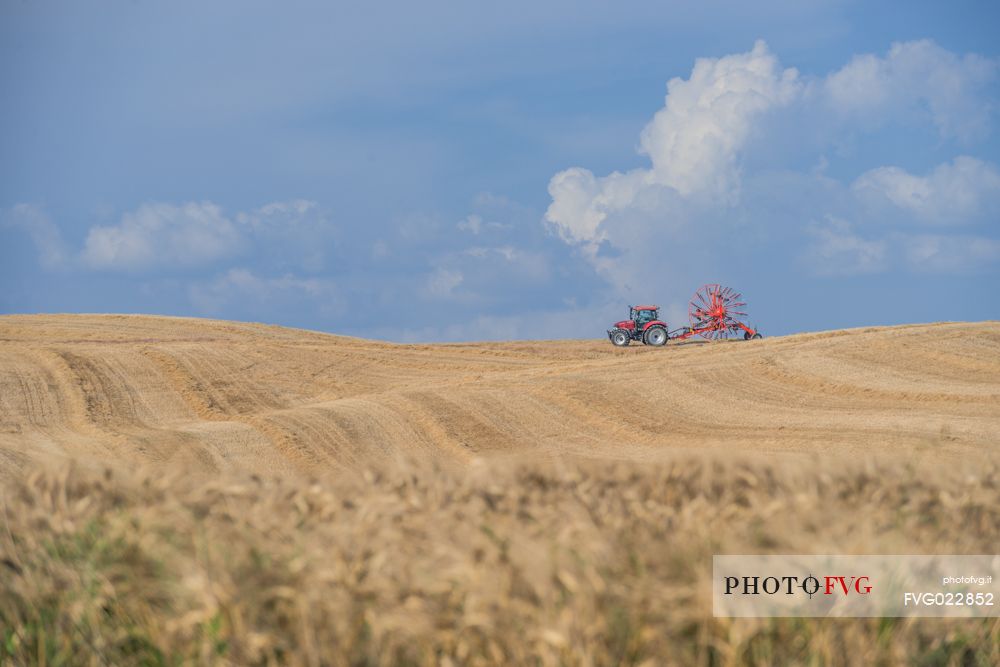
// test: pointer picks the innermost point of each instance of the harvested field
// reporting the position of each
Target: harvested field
(180, 490)
(219, 396)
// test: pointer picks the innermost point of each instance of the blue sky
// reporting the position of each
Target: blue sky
(464, 171)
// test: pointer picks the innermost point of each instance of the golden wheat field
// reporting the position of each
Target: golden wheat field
(181, 491)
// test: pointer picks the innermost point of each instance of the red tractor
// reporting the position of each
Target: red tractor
(643, 324)
(714, 314)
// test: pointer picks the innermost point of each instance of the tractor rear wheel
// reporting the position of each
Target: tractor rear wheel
(620, 338)
(655, 336)
(756, 336)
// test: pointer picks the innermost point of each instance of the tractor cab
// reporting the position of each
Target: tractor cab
(643, 315)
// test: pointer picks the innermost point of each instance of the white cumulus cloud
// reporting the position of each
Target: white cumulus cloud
(963, 190)
(914, 76)
(281, 215)
(34, 222)
(292, 236)
(837, 250)
(950, 254)
(694, 140)
(287, 236)
(442, 282)
(693, 143)
(159, 234)
(717, 191)
(475, 225)
(242, 287)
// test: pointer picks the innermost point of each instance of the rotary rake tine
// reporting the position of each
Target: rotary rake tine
(715, 313)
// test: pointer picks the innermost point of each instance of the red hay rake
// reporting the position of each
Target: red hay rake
(715, 313)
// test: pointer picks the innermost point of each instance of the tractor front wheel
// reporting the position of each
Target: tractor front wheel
(655, 336)
(620, 338)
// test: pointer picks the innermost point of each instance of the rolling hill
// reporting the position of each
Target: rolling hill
(217, 395)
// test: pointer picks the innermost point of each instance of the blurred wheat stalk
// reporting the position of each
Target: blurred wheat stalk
(500, 564)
